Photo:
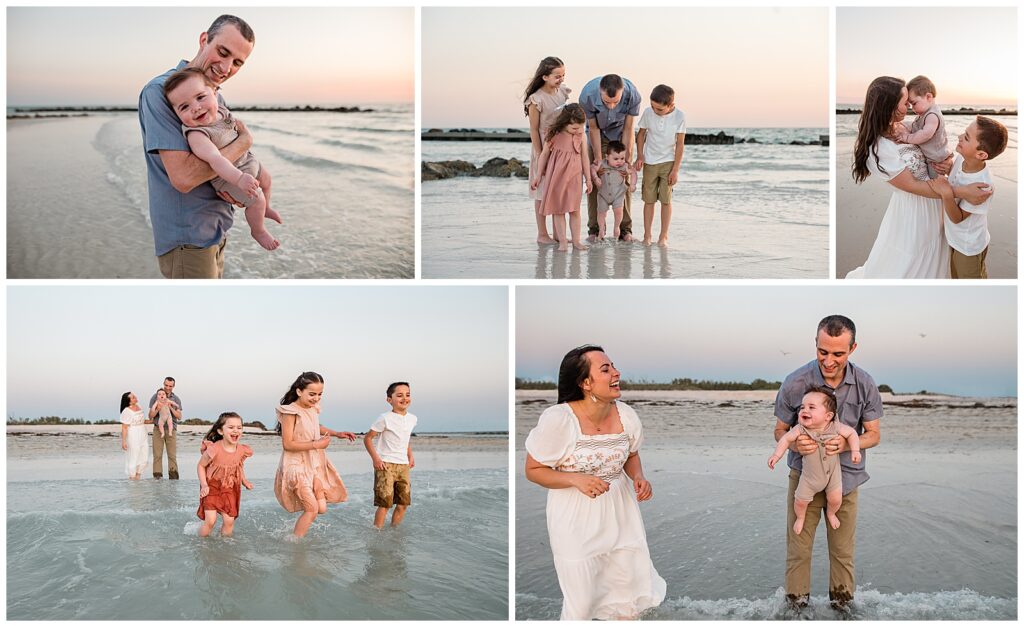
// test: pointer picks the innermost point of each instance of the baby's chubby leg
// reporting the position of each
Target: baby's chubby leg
(254, 214)
(617, 212)
(264, 179)
(602, 218)
(835, 501)
(800, 509)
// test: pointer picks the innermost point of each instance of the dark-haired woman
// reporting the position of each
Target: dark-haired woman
(306, 479)
(585, 450)
(133, 436)
(910, 242)
(543, 97)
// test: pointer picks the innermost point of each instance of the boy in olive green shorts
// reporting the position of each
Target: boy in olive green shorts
(660, 153)
(392, 457)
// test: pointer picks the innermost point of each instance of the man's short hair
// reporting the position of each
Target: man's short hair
(616, 146)
(171, 379)
(394, 386)
(663, 94)
(182, 75)
(835, 325)
(243, 28)
(921, 85)
(611, 84)
(991, 136)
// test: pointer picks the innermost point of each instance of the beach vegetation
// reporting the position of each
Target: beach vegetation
(674, 385)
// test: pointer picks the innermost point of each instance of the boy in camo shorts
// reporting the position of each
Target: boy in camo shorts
(392, 455)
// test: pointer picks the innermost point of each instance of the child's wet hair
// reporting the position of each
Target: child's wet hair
(213, 435)
(830, 397)
(182, 75)
(920, 86)
(394, 386)
(303, 381)
(571, 113)
(992, 136)
(663, 95)
(616, 146)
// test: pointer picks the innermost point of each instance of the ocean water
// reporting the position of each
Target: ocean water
(77, 204)
(937, 521)
(84, 545)
(741, 211)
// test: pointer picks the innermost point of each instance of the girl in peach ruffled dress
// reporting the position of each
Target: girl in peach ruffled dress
(306, 479)
(221, 476)
(564, 167)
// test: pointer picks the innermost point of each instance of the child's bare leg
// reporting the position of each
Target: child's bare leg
(617, 212)
(264, 180)
(254, 216)
(160, 424)
(835, 501)
(800, 509)
(208, 522)
(542, 226)
(602, 217)
(666, 218)
(575, 226)
(310, 505)
(228, 527)
(396, 518)
(304, 522)
(563, 244)
(379, 517)
(648, 222)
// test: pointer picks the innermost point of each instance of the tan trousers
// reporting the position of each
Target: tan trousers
(841, 546)
(626, 227)
(963, 267)
(189, 262)
(170, 440)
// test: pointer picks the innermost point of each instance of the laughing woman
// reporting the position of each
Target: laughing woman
(585, 451)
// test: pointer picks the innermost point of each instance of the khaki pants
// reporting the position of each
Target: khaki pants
(963, 267)
(626, 228)
(841, 545)
(190, 262)
(170, 440)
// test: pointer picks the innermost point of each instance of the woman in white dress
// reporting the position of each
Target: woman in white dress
(133, 436)
(585, 450)
(910, 242)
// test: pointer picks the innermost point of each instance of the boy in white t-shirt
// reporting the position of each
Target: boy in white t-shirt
(660, 153)
(392, 457)
(966, 225)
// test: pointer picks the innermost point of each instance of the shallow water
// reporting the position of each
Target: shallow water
(113, 549)
(77, 202)
(742, 211)
(937, 521)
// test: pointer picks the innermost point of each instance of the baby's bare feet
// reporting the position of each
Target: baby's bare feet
(270, 214)
(265, 239)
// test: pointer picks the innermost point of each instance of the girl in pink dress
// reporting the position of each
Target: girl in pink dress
(306, 479)
(563, 163)
(221, 476)
(542, 101)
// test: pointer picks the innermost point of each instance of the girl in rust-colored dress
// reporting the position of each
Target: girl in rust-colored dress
(306, 479)
(221, 476)
(564, 167)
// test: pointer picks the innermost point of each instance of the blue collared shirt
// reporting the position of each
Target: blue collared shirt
(611, 122)
(198, 218)
(858, 402)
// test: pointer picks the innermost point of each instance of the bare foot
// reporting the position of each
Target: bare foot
(580, 246)
(663, 242)
(647, 241)
(546, 239)
(270, 214)
(563, 247)
(600, 236)
(832, 520)
(628, 237)
(265, 239)
(592, 238)
(798, 526)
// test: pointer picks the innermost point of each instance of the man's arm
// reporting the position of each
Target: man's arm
(627, 134)
(595, 140)
(870, 438)
(187, 171)
(802, 445)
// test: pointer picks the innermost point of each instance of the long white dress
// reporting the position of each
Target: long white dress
(136, 458)
(599, 545)
(910, 242)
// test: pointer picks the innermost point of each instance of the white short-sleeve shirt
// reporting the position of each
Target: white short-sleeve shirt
(660, 142)
(395, 430)
(969, 237)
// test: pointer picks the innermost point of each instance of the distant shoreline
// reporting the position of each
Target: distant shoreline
(959, 111)
(32, 113)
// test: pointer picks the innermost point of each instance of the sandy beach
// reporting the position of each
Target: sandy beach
(859, 209)
(944, 475)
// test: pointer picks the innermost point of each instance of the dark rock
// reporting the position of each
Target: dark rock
(436, 170)
(502, 168)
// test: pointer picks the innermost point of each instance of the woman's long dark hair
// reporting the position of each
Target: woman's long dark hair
(212, 435)
(571, 113)
(573, 371)
(125, 401)
(880, 104)
(305, 380)
(547, 66)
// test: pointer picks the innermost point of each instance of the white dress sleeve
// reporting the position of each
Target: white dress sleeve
(889, 163)
(554, 438)
(127, 415)
(631, 425)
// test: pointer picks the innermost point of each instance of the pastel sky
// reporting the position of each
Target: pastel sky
(659, 333)
(103, 56)
(72, 351)
(730, 67)
(969, 53)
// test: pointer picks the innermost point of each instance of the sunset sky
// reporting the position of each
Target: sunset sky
(954, 339)
(969, 53)
(731, 67)
(98, 56)
(72, 351)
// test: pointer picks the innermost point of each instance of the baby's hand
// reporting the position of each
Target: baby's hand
(247, 484)
(772, 461)
(203, 490)
(249, 184)
(855, 457)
